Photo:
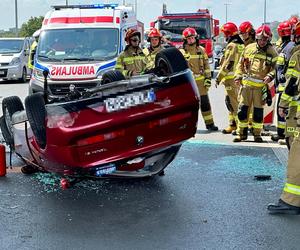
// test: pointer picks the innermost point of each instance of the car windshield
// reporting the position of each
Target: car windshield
(176, 26)
(88, 44)
(11, 46)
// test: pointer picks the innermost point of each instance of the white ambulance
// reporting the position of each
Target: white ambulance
(78, 43)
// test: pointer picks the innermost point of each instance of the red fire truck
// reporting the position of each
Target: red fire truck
(173, 24)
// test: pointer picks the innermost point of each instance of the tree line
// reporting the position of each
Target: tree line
(27, 28)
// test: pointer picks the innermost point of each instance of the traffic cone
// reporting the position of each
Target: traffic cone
(2, 160)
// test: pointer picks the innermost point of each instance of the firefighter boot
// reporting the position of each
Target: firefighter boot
(277, 137)
(212, 127)
(240, 138)
(229, 130)
(257, 138)
(242, 135)
(283, 208)
(234, 132)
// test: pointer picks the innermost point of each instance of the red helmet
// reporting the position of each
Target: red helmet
(130, 33)
(229, 29)
(293, 20)
(263, 31)
(189, 32)
(284, 29)
(154, 33)
(245, 27)
(296, 30)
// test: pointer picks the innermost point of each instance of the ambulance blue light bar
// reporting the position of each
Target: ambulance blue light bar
(87, 6)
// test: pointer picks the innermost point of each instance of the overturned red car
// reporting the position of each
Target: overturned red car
(121, 128)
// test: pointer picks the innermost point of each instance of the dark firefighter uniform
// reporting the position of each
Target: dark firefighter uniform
(284, 49)
(289, 202)
(289, 99)
(281, 68)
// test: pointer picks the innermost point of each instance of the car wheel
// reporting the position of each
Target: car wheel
(24, 75)
(170, 61)
(36, 114)
(5, 133)
(112, 76)
(10, 105)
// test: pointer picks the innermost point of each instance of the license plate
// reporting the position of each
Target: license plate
(129, 100)
(2, 72)
(106, 170)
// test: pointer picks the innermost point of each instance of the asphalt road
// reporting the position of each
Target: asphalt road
(208, 199)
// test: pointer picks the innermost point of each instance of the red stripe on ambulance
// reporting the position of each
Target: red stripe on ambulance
(91, 19)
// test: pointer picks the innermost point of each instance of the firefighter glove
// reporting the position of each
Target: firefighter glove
(266, 95)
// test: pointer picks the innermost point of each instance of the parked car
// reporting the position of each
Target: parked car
(14, 53)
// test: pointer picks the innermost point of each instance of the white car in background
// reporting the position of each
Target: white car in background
(14, 54)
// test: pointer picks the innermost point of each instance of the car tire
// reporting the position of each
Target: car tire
(112, 76)
(23, 79)
(36, 115)
(10, 105)
(5, 133)
(170, 61)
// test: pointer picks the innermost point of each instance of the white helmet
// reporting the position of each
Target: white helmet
(36, 33)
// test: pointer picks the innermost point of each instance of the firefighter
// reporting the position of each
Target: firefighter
(33, 46)
(288, 100)
(131, 61)
(284, 30)
(247, 33)
(233, 51)
(198, 62)
(289, 202)
(154, 38)
(256, 69)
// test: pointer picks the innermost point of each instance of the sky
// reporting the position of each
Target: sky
(237, 11)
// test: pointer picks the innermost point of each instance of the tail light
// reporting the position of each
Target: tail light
(170, 119)
(100, 138)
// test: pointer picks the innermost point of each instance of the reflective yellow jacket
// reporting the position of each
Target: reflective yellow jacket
(292, 88)
(150, 55)
(198, 61)
(231, 58)
(249, 41)
(31, 54)
(131, 61)
(255, 64)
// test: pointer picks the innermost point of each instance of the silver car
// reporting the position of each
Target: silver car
(14, 54)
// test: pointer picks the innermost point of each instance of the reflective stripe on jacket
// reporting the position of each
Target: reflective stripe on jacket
(257, 63)
(32, 54)
(197, 60)
(150, 55)
(232, 56)
(131, 60)
(292, 88)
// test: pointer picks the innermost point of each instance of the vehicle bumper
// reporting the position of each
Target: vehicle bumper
(11, 72)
